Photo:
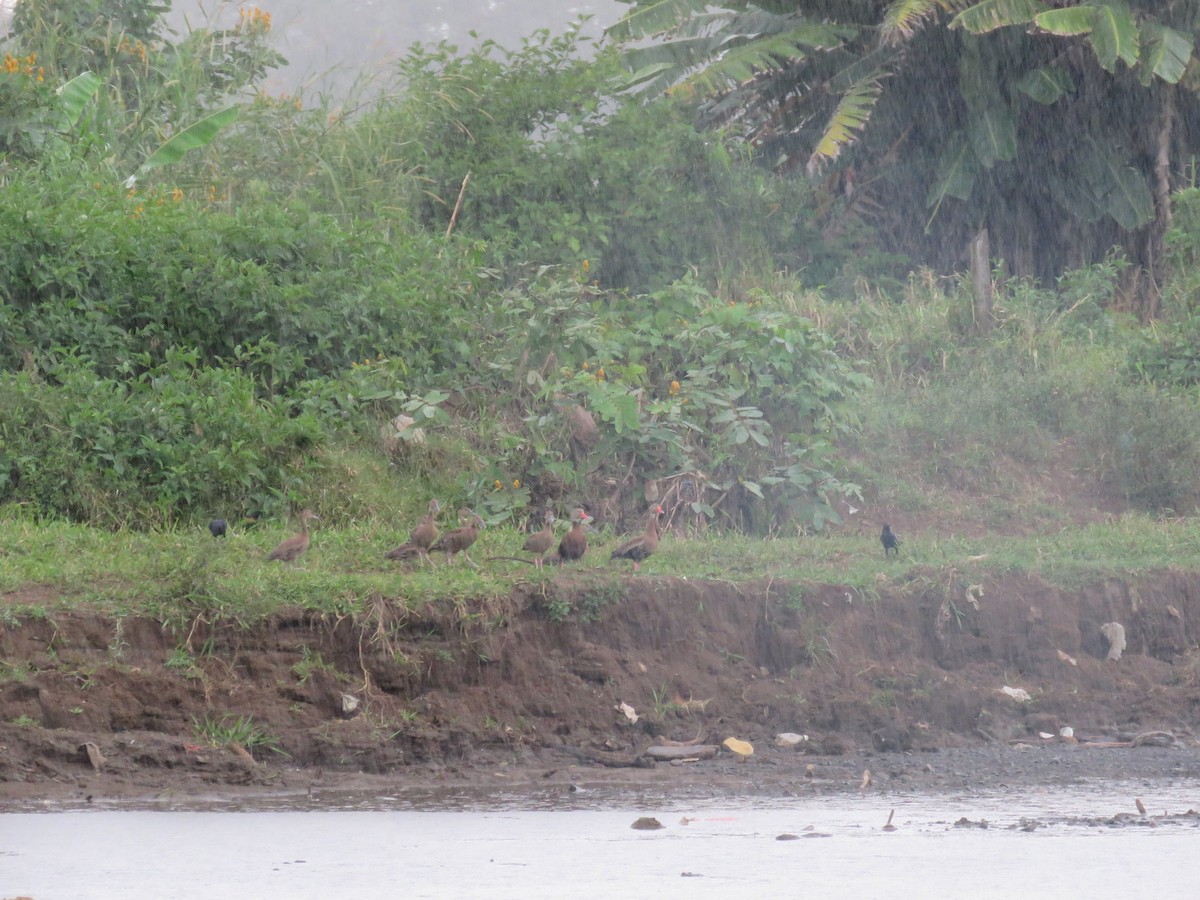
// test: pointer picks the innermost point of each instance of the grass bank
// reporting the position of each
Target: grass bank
(174, 575)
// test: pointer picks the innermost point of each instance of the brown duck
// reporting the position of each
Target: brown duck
(540, 542)
(289, 551)
(420, 538)
(460, 539)
(640, 547)
(574, 542)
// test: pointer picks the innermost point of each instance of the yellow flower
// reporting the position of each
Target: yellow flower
(674, 389)
(586, 266)
(499, 486)
(254, 20)
(587, 366)
(177, 194)
(600, 374)
(516, 483)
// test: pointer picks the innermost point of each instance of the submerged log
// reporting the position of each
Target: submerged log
(605, 758)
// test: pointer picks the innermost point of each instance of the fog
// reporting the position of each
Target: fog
(329, 44)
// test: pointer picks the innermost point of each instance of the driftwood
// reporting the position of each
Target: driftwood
(1145, 739)
(690, 751)
(605, 758)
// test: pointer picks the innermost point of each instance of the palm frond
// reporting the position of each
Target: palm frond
(992, 14)
(716, 51)
(744, 57)
(851, 116)
(654, 18)
(904, 17)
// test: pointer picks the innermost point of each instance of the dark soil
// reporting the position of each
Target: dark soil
(905, 683)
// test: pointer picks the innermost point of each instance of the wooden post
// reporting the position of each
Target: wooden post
(981, 281)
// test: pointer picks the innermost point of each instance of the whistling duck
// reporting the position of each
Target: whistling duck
(420, 538)
(290, 550)
(460, 539)
(217, 527)
(890, 541)
(574, 542)
(539, 543)
(640, 547)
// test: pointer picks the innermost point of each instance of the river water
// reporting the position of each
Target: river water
(1061, 843)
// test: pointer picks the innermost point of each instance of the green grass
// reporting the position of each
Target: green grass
(241, 730)
(178, 573)
(989, 434)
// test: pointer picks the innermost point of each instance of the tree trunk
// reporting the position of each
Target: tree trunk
(981, 281)
(1162, 200)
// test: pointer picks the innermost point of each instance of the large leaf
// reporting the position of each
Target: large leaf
(904, 17)
(715, 52)
(957, 170)
(646, 74)
(74, 96)
(1115, 35)
(1165, 53)
(1124, 193)
(992, 14)
(1046, 84)
(993, 135)
(744, 57)
(1101, 182)
(1066, 22)
(193, 137)
(625, 412)
(852, 113)
(649, 19)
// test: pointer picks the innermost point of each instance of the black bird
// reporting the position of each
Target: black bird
(217, 527)
(889, 540)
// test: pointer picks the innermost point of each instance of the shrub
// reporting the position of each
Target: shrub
(281, 292)
(732, 406)
(1145, 442)
(563, 169)
(178, 440)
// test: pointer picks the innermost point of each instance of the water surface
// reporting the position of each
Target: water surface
(557, 845)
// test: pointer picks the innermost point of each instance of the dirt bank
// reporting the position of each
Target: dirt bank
(906, 681)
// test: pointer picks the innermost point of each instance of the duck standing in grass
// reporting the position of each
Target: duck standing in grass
(460, 539)
(421, 538)
(640, 547)
(574, 543)
(540, 542)
(290, 550)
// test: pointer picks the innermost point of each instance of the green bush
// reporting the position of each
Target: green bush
(734, 406)
(153, 85)
(1145, 443)
(284, 293)
(563, 169)
(177, 441)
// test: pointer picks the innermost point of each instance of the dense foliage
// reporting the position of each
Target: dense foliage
(595, 315)
(1060, 127)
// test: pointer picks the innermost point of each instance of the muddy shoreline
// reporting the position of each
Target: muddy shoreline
(543, 779)
(409, 702)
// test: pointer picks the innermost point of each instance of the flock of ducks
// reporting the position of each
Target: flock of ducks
(425, 539)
